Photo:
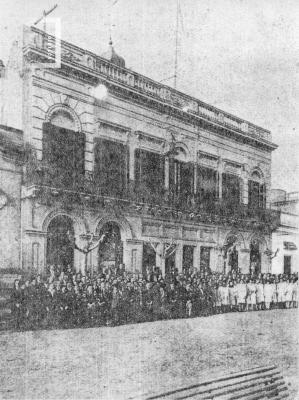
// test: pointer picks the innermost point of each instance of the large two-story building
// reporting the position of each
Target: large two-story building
(169, 180)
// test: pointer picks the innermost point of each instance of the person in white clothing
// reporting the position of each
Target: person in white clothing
(268, 293)
(289, 293)
(295, 293)
(241, 290)
(224, 296)
(232, 296)
(275, 293)
(251, 296)
(281, 290)
(260, 297)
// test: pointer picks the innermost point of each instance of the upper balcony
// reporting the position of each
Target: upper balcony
(135, 200)
(40, 47)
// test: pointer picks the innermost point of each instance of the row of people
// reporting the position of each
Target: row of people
(71, 299)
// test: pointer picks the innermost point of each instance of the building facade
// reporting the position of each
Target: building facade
(285, 239)
(167, 179)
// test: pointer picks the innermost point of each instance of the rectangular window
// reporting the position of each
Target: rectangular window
(35, 256)
(287, 265)
(188, 258)
(256, 194)
(63, 156)
(111, 167)
(231, 190)
(206, 184)
(149, 173)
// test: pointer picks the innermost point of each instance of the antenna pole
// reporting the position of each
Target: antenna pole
(45, 13)
(176, 45)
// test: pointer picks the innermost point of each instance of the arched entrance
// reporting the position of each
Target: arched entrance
(111, 250)
(60, 251)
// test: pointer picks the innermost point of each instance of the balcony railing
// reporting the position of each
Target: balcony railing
(45, 45)
(163, 205)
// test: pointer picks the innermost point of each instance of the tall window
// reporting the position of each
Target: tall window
(206, 185)
(256, 192)
(111, 167)
(231, 189)
(181, 180)
(63, 156)
(149, 173)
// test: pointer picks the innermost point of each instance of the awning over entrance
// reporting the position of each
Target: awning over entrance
(289, 246)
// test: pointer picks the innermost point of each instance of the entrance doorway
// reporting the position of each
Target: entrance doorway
(188, 258)
(233, 259)
(287, 264)
(170, 270)
(148, 258)
(111, 250)
(60, 250)
(255, 257)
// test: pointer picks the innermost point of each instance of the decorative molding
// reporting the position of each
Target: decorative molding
(88, 67)
(207, 159)
(33, 232)
(149, 138)
(113, 125)
(63, 107)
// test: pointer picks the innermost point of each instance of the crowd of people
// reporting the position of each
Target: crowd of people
(65, 299)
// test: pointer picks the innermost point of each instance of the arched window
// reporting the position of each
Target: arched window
(63, 151)
(256, 190)
(63, 119)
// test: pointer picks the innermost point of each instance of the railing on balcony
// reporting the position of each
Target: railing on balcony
(162, 205)
(45, 44)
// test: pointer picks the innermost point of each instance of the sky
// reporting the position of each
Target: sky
(239, 55)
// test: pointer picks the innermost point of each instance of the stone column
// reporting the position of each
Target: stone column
(160, 261)
(214, 259)
(166, 173)
(179, 257)
(219, 172)
(195, 178)
(220, 184)
(196, 261)
(132, 162)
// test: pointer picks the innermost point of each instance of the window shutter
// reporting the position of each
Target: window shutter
(231, 188)
(137, 167)
(111, 167)
(64, 155)
(206, 184)
(262, 196)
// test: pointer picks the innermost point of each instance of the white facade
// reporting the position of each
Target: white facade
(141, 114)
(285, 240)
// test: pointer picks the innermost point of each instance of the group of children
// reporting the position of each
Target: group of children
(257, 293)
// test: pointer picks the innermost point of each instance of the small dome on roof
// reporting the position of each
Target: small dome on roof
(113, 57)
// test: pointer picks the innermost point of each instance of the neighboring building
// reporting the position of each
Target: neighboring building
(285, 240)
(157, 171)
(11, 161)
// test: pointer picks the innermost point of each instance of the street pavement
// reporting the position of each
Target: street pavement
(122, 362)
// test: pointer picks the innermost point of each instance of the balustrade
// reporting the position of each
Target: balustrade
(103, 67)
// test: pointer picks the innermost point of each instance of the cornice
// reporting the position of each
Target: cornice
(131, 86)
